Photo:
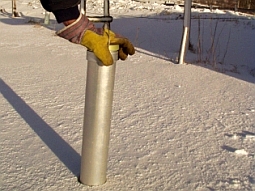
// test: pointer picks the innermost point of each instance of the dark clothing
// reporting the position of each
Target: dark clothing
(63, 10)
(54, 5)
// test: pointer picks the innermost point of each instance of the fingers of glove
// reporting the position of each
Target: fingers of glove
(128, 48)
(116, 39)
(128, 51)
(122, 55)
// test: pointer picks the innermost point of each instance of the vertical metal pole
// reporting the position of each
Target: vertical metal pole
(106, 13)
(97, 117)
(47, 18)
(83, 7)
(186, 30)
(97, 120)
(13, 8)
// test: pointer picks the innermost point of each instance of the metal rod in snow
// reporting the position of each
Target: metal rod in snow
(97, 116)
(186, 30)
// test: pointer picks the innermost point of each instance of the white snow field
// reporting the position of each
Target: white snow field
(174, 127)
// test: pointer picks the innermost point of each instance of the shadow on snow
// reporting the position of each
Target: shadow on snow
(65, 153)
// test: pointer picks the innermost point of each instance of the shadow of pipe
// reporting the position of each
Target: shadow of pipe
(65, 153)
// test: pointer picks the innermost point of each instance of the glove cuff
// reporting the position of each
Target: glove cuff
(75, 31)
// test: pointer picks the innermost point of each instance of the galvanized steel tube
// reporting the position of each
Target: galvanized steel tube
(97, 119)
(186, 30)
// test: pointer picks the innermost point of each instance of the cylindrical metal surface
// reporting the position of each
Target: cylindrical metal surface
(47, 18)
(183, 45)
(106, 13)
(186, 30)
(83, 7)
(106, 8)
(187, 12)
(100, 18)
(97, 120)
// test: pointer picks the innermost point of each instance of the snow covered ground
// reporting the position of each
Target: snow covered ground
(174, 127)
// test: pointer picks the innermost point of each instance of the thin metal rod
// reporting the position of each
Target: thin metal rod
(184, 45)
(83, 7)
(106, 13)
(100, 18)
(186, 30)
(47, 18)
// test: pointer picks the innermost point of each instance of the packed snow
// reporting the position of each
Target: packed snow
(174, 127)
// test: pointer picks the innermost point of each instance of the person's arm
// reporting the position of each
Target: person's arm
(78, 29)
(63, 10)
(53, 5)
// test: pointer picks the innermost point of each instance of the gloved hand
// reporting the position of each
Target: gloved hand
(99, 45)
(126, 48)
(83, 32)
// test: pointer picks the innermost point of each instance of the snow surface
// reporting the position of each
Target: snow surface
(174, 127)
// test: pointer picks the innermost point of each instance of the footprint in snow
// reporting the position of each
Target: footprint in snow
(236, 151)
(246, 135)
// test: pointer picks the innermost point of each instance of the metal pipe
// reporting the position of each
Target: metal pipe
(100, 18)
(186, 30)
(184, 45)
(83, 7)
(97, 115)
(106, 13)
(47, 18)
(97, 120)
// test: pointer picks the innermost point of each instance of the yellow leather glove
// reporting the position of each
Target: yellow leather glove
(126, 48)
(99, 44)
(83, 32)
